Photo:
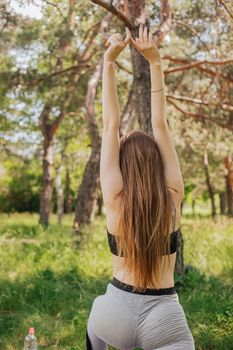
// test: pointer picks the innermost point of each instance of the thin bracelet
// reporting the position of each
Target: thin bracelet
(157, 90)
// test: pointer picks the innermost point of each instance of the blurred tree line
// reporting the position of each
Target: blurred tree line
(50, 106)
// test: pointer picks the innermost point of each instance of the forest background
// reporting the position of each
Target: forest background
(51, 56)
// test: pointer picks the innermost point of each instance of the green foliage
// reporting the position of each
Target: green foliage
(23, 190)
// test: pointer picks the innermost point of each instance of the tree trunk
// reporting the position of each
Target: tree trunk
(129, 114)
(87, 194)
(49, 128)
(60, 195)
(229, 184)
(100, 203)
(141, 88)
(68, 196)
(179, 265)
(193, 206)
(88, 190)
(47, 182)
(209, 185)
(223, 203)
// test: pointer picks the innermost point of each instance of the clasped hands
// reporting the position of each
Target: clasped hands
(145, 45)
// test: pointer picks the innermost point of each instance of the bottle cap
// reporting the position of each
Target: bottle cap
(31, 331)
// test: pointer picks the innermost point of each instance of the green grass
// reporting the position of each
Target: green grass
(47, 283)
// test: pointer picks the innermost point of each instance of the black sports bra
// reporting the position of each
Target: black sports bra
(173, 243)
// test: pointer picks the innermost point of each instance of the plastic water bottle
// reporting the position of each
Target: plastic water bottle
(30, 341)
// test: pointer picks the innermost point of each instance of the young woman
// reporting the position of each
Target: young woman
(142, 190)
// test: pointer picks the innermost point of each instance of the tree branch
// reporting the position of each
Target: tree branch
(166, 21)
(54, 5)
(94, 27)
(223, 106)
(198, 65)
(113, 10)
(123, 68)
(183, 60)
(226, 8)
(192, 30)
(200, 116)
(43, 119)
(62, 71)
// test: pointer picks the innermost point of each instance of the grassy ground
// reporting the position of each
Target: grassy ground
(46, 283)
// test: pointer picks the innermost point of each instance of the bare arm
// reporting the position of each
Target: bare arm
(158, 99)
(161, 130)
(110, 103)
(110, 174)
(147, 47)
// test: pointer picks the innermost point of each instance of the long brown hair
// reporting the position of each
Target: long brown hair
(145, 208)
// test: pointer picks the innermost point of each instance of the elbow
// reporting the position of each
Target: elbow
(178, 191)
(181, 193)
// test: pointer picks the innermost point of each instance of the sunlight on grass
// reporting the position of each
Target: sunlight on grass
(209, 246)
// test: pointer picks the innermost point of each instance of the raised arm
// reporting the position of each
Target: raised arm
(161, 131)
(146, 46)
(110, 174)
(110, 103)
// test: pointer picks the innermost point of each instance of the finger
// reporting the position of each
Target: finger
(115, 40)
(118, 36)
(111, 40)
(128, 36)
(120, 40)
(108, 41)
(145, 34)
(127, 40)
(150, 37)
(128, 31)
(141, 32)
(135, 42)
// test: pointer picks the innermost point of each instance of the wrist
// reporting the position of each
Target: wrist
(155, 62)
(108, 61)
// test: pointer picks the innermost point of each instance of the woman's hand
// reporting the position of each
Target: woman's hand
(116, 45)
(146, 45)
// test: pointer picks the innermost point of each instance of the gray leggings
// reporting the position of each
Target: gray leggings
(126, 320)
